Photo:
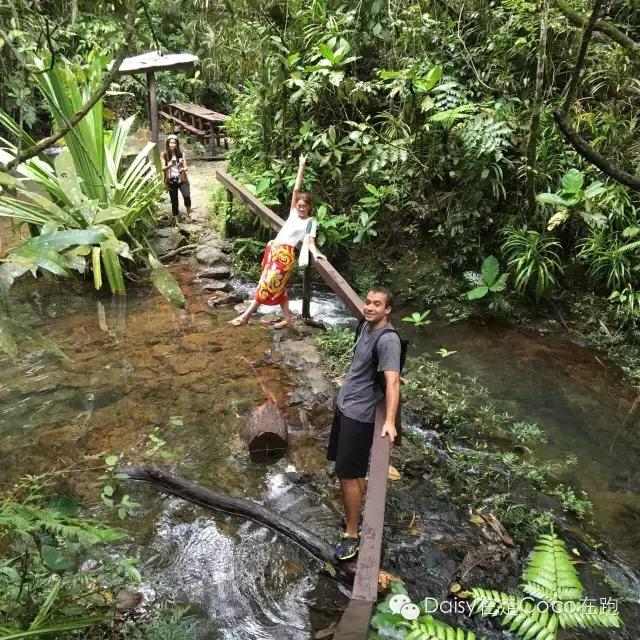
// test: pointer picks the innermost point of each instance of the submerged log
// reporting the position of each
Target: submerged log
(177, 486)
(265, 431)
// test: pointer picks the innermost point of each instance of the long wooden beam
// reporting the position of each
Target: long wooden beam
(355, 621)
(354, 624)
(328, 273)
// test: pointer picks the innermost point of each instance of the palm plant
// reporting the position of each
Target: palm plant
(550, 578)
(90, 192)
(534, 260)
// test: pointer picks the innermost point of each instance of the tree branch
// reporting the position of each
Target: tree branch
(611, 31)
(585, 40)
(51, 140)
(593, 156)
(197, 494)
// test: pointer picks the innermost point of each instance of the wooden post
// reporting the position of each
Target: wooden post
(306, 292)
(153, 105)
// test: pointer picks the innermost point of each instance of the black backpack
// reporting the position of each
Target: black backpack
(378, 376)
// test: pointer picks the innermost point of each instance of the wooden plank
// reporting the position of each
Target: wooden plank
(355, 621)
(306, 292)
(274, 220)
(184, 125)
(339, 286)
(365, 585)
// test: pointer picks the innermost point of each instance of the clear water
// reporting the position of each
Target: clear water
(132, 365)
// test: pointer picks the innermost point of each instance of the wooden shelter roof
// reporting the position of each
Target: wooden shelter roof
(154, 61)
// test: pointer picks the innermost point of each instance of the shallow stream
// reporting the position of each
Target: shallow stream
(136, 367)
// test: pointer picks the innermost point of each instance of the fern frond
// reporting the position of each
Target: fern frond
(519, 616)
(551, 573)
(580, 615)
(428, 628)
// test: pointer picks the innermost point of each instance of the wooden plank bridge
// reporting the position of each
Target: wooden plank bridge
(354, 624)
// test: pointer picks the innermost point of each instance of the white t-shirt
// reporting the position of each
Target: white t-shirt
(294, 229)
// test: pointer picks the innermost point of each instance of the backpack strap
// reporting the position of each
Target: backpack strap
(359, 330)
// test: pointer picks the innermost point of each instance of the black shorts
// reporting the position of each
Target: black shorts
(349, 446)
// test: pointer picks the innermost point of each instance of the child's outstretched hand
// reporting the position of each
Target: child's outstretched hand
(303, 159)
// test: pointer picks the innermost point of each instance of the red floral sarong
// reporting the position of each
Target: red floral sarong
(277, 265)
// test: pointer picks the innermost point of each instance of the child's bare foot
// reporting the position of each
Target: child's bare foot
(283, 324)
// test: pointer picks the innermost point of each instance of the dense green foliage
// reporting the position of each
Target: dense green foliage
(57, 575)
(94, 200)
(416, 116)
(553, 600)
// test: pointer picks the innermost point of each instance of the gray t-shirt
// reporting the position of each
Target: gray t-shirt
(359, 393)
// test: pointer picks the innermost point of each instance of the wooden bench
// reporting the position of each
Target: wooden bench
(209, 121)
(183, 125)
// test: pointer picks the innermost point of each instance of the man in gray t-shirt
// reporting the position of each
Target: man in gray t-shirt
(352, 432)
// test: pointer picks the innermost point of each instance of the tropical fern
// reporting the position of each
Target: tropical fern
(550, 575)
(551, 578)
(428, 628)
(24, 519)
(484, 135)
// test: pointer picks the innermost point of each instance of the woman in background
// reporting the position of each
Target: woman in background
(174, 167)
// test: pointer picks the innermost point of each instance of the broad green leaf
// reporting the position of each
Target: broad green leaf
(165, 283)
(500, 284)
(56, 559)
(327, 52)
(69, 180)
(490, 270)
(478, 292)
(433, 77)
(396, 586)
(594, 190)
(573, 180)
(551, 198)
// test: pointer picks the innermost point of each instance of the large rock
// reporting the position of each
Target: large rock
(219, 272)
(216, 285)
(213, 239)
(189, 228)
(220, 299)
(166, 239)
(210, 255)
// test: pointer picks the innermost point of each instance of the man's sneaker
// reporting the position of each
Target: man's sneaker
(347, 547)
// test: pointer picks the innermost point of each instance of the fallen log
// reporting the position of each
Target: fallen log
(265, 431)
(192, 492)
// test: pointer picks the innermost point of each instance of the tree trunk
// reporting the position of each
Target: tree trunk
(265, 431)
(534, 127)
